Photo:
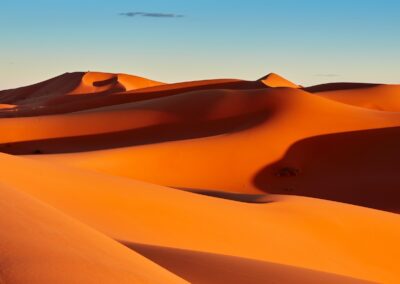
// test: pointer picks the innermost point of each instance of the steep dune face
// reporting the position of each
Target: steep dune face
(34, 98)
(97, 82)
(40, 245)
(363, 165)
(274, 80)
(185, 109)
(217, 181)
(30, 95)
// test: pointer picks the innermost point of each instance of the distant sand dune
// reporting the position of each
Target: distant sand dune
(378, 97)
(274, 80)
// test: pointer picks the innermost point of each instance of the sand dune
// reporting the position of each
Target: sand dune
(212, 181)
(274, 80)
(34, 98)
(80, 91)
(379, 97)
(220, 122)
(198, 267)
(40, 245)
(145, 212)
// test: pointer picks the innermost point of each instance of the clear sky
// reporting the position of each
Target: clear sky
(307, 41)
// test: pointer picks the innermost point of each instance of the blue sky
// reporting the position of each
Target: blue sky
(309, 41)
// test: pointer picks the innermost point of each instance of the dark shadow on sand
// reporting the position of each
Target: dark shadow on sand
(239, 197)
(360, 167)
(73, 103)
(135, 137)
(338, 87)
(202, 267)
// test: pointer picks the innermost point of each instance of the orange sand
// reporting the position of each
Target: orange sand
(274, 80)
(372, 96)
(41, 245)
(216, 181)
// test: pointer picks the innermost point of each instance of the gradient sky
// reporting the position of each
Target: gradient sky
(307, 41)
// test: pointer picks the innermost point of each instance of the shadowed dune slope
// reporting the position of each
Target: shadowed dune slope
(40, 245)
(206, 268)
(33, 99)
(274, 80)
(184, 109)
(345, 239)
(338, 86)
(98, 82)
(362, 164)
(80, 91)
(56, 86)
(267, 123)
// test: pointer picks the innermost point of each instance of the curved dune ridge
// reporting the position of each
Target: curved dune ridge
(97, 82)
(34, 98)
(274, 80)
(114, 178)
(371, 96)
(41, 245)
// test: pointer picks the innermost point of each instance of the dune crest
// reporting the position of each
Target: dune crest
(97, 82)
(371, 96)
(76, 83)
(275, 80)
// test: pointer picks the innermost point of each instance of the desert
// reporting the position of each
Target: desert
(115, 178)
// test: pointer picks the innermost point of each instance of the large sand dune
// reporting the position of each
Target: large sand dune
(215, 181)
(41, 245)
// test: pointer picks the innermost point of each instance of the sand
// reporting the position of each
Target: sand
(41, 245)
(215, 181)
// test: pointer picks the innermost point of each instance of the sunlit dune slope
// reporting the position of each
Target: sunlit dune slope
(77, 83)
(40, 245)
(274, 80)
(252, 129)
(198, 267)
(6, 106)
(98, 82)
(80, 91)
(346, 240)
(371, 96)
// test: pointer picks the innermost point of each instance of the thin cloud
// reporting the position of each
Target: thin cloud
(150, 15)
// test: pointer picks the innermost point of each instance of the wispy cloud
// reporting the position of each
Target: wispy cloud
(327, 75)
(151, 15)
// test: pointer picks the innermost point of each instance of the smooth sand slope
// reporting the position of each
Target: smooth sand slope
(75, 87)
(274, 80)
(346, 240)
(40, 245)
(199, 267)
(80, 91)
(371, 96)
(212, 181)
(252, 129)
